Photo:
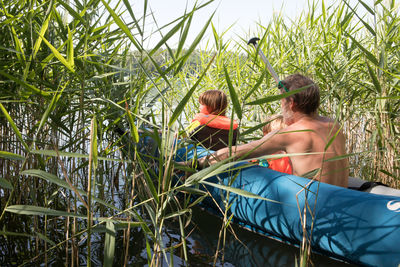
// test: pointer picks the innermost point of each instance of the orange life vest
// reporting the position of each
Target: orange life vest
(281, 165)
(215, 121)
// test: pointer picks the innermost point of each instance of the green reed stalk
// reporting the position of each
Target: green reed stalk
(91, 183)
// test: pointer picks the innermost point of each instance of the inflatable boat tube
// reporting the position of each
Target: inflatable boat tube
(354, 226)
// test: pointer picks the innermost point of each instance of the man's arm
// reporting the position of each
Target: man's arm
(269, 144)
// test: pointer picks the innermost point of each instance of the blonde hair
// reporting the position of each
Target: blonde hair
(216, 100)
(274, 122)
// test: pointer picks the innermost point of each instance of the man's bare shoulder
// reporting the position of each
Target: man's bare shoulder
(314, 123)
(303, 124)
(308, 127)
(329, 123)
(325, 119)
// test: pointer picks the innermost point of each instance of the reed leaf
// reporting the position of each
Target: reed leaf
(304, 258)
(54, 153)
(368, 54)
(311, 174)
(134, 130)
(192, 190)
(216, 37)
(178, 110)
(153, 216)
(38, 235)
(177, 213)
(45, 238)
(194, 44)
(366, 25)
(45, 62)
(332, 139)
(148, 251)
(183, 235)
(389, 97)
(167, 36)
(183, 36)
(35, 210)
(278, 156)
(388, 174)
(10, 156)
(58, 55)
(374, 79)
(5, 184)
(273, 98)
(135, 21)
(233, 94)
(109, 244)
(240, 192)
(93, 144)
(367, 7)
(8, 233)
(18, 47)
(198, 200)
(256, 86)
(62, 183)
(159, 70)
(349, 155)
(14, 127)
(25, 84)
(122, 25)
(51, 107)
(147, 177)
(72, 12)
(70, 50)
(208, 172)
(38, 42)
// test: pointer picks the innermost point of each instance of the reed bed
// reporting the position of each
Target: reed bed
(80, 92)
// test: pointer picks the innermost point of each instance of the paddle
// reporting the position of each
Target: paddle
(254, 41)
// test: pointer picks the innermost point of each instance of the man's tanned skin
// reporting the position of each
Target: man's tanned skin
(307, 132)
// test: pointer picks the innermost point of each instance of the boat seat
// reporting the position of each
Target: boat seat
(372, 187)
(213, 138)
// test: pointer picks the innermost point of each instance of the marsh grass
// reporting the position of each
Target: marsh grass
(78, 88)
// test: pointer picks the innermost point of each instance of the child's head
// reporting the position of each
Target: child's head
(215, 100)
(275, 122)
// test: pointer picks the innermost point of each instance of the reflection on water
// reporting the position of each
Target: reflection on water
(203, 232)
(253, 250)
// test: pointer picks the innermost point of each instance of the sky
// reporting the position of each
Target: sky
(241, 16)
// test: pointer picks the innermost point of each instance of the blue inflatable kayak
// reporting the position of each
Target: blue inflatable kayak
(354, 226)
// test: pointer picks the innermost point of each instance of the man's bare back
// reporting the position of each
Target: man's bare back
(312, 135)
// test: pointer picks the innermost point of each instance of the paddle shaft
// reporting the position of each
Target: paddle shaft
(253, 41)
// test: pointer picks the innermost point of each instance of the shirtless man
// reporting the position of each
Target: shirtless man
(307, 132)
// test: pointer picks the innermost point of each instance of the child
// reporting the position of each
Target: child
(281, 164)
(211, 127)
